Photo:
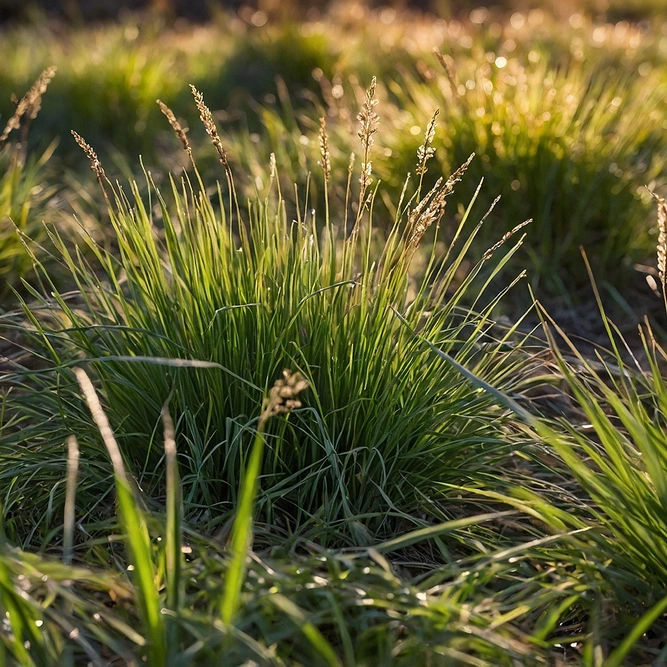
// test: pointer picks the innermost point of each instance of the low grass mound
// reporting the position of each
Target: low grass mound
(202, 305)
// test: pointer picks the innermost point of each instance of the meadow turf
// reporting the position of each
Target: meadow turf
(259, 399)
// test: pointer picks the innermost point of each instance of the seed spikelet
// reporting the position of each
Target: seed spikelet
(426, 151)
(176, 126)
(325, 160)
(209, 125)
(30, 103)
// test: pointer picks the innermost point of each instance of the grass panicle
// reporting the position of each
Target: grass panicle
(179, 130)
(209, 125)
(29, 105)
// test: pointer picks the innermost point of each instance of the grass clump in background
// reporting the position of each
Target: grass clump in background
(548, 105)
(24, 187)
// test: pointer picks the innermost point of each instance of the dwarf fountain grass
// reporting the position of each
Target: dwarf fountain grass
(204, 303)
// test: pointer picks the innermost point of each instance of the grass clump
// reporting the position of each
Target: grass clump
(203, 304)
(619, 453)
(562, 145)
(184, 598)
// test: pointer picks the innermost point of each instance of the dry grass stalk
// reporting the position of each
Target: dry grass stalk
(209, 125)
(282, 396)
(70, 499)
(426, 151)
(662, 240)
(177, 127)
(506, 237)
(30, 103)
(448, 65)
(369, 126)
(102, 423)
(325, 160)
(95, 163)
(432, 207)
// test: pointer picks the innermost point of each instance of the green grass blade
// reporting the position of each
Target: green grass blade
(138, 539)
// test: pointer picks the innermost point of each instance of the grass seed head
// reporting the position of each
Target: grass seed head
(426, 151)
(368, 120)
(209, 125)
(95, 163)
(662, 239)
(506, 237)
(325, 160)
(30, 103)
(432, 207)
(448, 65)
(282, 396)
(176, 126)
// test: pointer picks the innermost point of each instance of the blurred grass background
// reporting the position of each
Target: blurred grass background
(561, 102)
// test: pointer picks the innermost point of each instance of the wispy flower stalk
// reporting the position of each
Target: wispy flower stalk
(95, 163)
(432, 207)
(426, 151)
(368, 120)
(30, 104)
(180, 131)
(210, 127)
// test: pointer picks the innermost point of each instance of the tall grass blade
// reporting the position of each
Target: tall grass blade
(70, 499)
(134, 524)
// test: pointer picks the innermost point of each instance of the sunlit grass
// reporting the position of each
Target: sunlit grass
(446, 489)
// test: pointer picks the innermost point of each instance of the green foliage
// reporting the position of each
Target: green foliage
(416, 509)
(563, 147)
(550, 110)
(24, 194)
(229, 299)
(619, 452)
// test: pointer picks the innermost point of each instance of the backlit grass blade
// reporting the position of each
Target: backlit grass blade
(322, 647)
(134, 524)
(431, 532)
(620, 654)
(241, 539)
(174, 509)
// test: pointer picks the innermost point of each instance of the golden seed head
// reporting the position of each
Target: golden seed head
(368, 120)
(272, 166)
(325, 160)
(662, 239)
(426, 151)
(30, 103)
(432, 207)
(506, 237)
(95, 164)
(209, 125)
(176, 126)
(448, 65)
(282, 396)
